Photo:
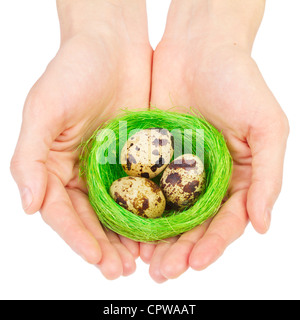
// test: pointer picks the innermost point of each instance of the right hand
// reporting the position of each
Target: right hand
(96, 71)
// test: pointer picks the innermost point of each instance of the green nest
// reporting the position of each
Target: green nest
(99, 175)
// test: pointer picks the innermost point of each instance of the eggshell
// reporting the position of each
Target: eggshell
(139, 195)
(183, 181)
(147, 152)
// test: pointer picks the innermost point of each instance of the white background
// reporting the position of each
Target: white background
(36, 264)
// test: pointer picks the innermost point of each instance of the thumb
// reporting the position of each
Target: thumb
(28, 164)
(268, 146)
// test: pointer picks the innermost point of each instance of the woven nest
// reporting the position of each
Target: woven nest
(100, 175)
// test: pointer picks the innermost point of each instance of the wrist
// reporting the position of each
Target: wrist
(233, 22)
(100, 16)
(217, 22)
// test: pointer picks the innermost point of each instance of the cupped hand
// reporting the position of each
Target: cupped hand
(224, 84)
(92, 76)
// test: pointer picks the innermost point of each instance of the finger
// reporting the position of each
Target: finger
(58, 212)
(268, 149)
(176, 260)
(131, 245)
(146, 251)
(110, 263)
(28, 162)
(155, 263)
(226, 226)
(128, 261)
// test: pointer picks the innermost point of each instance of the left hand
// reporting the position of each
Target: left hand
(222, 82)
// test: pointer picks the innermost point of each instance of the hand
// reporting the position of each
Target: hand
(103, 64)
(208, 66)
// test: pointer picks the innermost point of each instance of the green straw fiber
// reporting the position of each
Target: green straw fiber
(99, 177)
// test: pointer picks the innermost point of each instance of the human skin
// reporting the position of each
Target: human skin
(103, 64)
(204, 61)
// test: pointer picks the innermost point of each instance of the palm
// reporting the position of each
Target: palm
(221, 89)
(84, 91)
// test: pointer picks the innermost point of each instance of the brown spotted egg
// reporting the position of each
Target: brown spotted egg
(147, 152)
(183, 181)
(139, 195)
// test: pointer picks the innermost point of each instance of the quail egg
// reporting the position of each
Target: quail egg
(147, 152)
(183, 181)
(139, 195)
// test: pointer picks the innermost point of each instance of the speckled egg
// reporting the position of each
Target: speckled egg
(183, 181)
(139, 195)
(147, 152)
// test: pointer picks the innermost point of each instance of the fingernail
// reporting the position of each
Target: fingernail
(268, 218)
(26, 197)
